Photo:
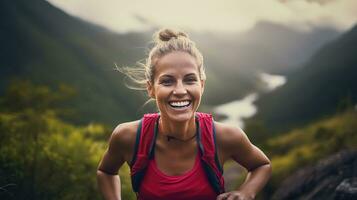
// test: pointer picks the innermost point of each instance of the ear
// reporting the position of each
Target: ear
(150, 89)
(203, 85)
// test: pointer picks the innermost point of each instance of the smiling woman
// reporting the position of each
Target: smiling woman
(178, 153)
(176, 73)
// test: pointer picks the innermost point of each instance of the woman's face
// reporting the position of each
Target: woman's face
(177, 86)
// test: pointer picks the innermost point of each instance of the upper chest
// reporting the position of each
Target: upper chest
(175, 159)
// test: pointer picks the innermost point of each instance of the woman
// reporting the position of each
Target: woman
(178, 153)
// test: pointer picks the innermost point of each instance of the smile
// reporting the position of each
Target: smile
(180, 104)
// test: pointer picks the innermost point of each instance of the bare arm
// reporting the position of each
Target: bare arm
(109, 185)
(236, 145)
(119, 150)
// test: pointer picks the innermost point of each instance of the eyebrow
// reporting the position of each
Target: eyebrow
(170, 76)
(190, 74)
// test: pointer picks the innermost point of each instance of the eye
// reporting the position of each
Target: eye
(191, 80)
(166, 82)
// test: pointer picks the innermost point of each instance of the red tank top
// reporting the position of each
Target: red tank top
(192, 185)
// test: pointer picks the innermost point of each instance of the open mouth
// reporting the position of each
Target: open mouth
(180, 104)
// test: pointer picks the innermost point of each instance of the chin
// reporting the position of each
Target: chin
(182, 117)
(179, 115)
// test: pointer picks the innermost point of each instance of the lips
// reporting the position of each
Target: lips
(180, 104)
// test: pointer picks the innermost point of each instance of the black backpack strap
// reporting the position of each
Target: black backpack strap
(215, 147)
(137, 142)
(209, 158)
(144, 149)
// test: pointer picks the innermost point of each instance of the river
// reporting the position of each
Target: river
(237, 110)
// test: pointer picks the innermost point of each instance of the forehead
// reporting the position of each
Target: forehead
(176, 63)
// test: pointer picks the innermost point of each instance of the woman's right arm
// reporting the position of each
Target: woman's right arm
(119, 150)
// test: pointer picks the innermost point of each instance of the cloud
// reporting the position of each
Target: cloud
(321, 2)
(340, 14)
(212, 15)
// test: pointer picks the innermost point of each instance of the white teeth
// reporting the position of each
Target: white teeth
(179, 103)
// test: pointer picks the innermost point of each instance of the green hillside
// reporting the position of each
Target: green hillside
(306, 145)
(47, 46)
(235, 59)
(43, 157)
(326, 84)
(69, 64)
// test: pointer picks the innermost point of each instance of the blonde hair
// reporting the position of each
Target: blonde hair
(165, 41)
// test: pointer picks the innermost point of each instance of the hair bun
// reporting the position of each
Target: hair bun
(166, 34)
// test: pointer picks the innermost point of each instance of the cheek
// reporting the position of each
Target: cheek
(162, 93)
(197, 91)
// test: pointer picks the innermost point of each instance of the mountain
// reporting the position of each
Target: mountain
(291, 48)
(331, 178)
(268, 46)
(324, 85)
(236, 59)
(308, 145)
(43, 44)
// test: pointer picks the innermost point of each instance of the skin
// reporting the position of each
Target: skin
(177, 79)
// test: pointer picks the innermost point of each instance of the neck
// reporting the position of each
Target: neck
(181, 131)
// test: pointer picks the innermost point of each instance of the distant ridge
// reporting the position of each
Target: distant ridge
(43, 44)
(47, 46)
(324, 85)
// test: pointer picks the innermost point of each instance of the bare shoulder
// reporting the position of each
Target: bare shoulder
(234, 144)
(123, 138)
(228, 135)
(231, 141)
(125, 133)
(120, 148)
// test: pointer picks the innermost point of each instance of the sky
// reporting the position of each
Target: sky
(212, 15)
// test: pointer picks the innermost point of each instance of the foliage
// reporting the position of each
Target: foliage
(325, 85)
(46, 45)
(43, 44)
(304, 146)
(42, 157)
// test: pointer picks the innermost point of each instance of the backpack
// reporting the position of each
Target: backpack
(206, 140)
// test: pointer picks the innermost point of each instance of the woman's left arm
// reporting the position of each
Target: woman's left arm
(236, 145)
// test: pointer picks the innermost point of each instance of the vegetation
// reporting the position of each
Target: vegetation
(306, 145)
(46, 45)
(50, 150)
(326, 80)
(43, 157)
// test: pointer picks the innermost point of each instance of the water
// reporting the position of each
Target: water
(272, 81)
(237, 110)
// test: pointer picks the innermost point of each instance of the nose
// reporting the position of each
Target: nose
(180, 89)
